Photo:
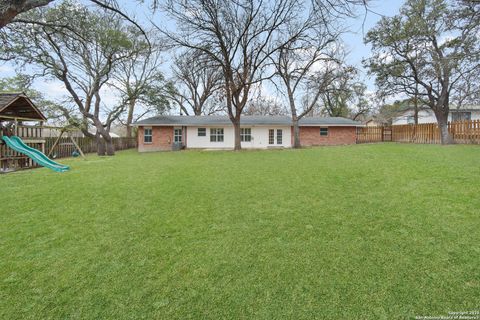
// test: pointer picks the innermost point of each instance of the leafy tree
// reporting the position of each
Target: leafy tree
(426, 51)
(346, 96)
(139, 80)
(11, 8)
(79, 48)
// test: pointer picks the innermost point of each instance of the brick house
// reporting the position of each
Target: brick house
(257, 132)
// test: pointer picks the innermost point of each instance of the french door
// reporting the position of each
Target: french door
(275, 138)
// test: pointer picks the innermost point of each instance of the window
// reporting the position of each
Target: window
(202, 132)
(245, 134)
(147, 135)
(177, 135)
(461, 116)
(216, 135)
(279, 136)
(324, 132)
(271, 136)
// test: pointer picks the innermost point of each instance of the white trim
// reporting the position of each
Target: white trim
(151, 135)
(248, 125)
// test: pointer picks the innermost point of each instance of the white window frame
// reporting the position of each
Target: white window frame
(271, 136)
(177, 138)
(217, 135)
(245, 134)
(279, 135)
(324, 135)
(145, 135)
(462, 116)
(204, 132)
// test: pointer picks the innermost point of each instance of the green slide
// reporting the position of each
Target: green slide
(18, 145)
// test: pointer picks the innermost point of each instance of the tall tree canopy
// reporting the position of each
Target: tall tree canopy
(80, 48)
(9, 9)
(139, 81)
(430, 46)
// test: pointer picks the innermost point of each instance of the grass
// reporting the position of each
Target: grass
(384, 231)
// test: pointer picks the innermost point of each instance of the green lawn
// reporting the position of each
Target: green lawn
(354, 232)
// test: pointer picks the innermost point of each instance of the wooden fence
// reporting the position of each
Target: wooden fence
(467, 132)
(12, 160)
(374, 134)
(65, 147)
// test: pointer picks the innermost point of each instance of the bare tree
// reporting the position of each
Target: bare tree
(238, 36)
(82, 57)
(196, 84)
(306, 66)
(261, 105)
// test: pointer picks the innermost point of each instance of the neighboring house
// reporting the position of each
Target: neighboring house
(112, 134)
(257, 132)
(373, 122)
(426, 115)
(50, 132)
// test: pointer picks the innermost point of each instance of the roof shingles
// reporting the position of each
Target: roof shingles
(6, 98)
(244, 120)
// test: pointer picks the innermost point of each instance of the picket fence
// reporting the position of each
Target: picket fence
(65, 147)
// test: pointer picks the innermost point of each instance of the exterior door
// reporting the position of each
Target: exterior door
(275, 137)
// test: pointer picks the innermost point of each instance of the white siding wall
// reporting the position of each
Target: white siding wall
(476, 115)
(424, 116)
(259, 138)
(427, 116)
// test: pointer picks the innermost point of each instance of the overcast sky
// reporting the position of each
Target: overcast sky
(353, 40)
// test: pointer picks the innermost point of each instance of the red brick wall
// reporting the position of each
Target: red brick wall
(162, 139)
(310, 136)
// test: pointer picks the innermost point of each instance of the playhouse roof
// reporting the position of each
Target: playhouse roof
(19, 106)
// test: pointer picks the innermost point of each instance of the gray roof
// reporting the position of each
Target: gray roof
(18, 105)
(244, 120)
(6, 98)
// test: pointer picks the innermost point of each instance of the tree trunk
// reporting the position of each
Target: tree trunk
(442, 120)
(293, 110)
(236, 129)
(296, 133)
(11, 8)
(131, 107)
(197, 110)
(101, 147)
(415, 112)
(110, 148)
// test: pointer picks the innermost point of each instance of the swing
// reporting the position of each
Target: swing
(76, 152)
